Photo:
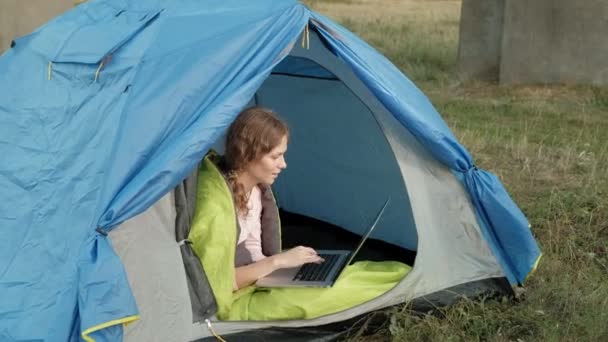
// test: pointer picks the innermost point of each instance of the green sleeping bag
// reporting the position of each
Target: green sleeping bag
(358, 283)
(214, 237)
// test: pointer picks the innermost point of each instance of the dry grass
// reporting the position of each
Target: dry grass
(390, 10)
(549, 146)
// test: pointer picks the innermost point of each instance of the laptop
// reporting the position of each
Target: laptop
(318, 275)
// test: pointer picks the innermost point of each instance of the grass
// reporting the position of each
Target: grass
(401, 31)
(549, 146)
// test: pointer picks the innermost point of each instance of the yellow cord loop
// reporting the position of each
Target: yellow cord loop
(306, 38)
(103, 63)
(99, 69)
(49, 71)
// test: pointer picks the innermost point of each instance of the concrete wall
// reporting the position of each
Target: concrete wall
(555, 41)
(540, 41)
(480, 39)
(20, 17)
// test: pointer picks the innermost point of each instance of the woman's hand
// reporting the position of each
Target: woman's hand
(297, 256)
(248, 274)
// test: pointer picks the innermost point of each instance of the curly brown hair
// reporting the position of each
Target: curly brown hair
(255, 132)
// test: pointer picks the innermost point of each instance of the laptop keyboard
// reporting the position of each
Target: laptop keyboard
(317, 272)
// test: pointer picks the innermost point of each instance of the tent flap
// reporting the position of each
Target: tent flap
(105, 301)
(510, 237)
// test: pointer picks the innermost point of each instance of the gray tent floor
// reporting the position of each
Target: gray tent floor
(303, 230)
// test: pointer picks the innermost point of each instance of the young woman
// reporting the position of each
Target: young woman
(255, 156)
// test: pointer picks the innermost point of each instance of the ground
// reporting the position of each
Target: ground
(548, 145)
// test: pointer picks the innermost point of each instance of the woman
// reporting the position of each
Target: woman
(236, 250)
(255, 156)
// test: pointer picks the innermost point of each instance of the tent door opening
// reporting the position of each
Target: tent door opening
(302, 230)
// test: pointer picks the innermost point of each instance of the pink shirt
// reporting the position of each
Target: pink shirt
(251, 225)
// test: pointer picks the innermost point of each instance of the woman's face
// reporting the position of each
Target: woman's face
(266, 169)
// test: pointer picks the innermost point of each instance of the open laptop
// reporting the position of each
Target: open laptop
(318, 275)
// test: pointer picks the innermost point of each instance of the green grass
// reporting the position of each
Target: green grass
(549, 146)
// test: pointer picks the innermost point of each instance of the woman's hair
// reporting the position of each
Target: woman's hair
(255, 132)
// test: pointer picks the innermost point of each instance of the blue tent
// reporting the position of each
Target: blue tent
(110, 106)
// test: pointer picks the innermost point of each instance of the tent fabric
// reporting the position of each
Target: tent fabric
(102, 285)
(322, 167)
(55, 269)
(451, 248)
(304, 67)
(146, 246)
(107, 108)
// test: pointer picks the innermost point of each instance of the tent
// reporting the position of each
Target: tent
(106, 111)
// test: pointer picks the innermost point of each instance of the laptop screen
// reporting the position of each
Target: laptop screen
(369, 232)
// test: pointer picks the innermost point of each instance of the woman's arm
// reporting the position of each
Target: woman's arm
(249, 274)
